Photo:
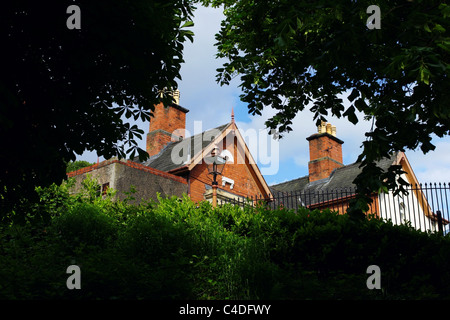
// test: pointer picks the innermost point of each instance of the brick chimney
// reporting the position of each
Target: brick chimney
(325, 152)
(167, 124)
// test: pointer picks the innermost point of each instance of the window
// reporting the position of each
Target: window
(105, 188)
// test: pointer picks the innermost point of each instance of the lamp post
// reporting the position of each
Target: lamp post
(216, 164)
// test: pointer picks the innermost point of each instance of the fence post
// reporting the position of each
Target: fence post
(439, 219)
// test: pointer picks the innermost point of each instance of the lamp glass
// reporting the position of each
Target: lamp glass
(215, 164)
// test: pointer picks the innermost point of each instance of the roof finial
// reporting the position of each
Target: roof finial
(232, 115)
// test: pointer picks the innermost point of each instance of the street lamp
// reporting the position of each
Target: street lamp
(216, 164)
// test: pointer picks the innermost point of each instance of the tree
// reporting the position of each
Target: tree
(291, 53)
(76, 165)
(69, 75)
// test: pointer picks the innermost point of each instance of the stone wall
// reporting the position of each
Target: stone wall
(120, 175)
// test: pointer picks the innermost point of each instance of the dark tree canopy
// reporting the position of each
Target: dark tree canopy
(291, 53)
(63, 91)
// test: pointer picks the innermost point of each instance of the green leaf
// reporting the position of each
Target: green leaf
(425, 75)
(438, 28)
(444, 45)
(427, 146)
(188, 24)
(361, 105)
(353, 95)
(299, 23)
(350, 114)
(445, 10)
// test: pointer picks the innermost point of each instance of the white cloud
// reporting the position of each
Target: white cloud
(200, 93)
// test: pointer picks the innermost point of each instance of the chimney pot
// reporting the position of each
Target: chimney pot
(333, 131)
(322, 127)
(176, 96)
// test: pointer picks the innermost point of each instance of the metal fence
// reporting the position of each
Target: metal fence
(424, 207)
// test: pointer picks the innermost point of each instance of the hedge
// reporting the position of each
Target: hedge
(177, 249)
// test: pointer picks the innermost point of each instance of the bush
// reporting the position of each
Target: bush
(85, 224)
(177, 249)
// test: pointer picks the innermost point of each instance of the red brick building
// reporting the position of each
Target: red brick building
(176, 164)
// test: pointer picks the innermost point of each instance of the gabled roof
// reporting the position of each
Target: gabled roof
(183, 151)
(184, 155)
(340, 178)
(338, 184)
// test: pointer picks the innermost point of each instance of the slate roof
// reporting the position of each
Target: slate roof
(178, 154)
(339, 184)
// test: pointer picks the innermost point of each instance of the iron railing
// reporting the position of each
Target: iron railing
(424, 207)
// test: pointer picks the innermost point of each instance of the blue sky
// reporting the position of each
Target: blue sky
(210, 105)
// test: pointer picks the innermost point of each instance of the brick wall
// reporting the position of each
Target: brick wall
(166, 123)
(325, 154)
(245, 180)
(156, 140)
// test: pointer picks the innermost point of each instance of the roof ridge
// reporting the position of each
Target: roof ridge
(289, 181)
(216, 128)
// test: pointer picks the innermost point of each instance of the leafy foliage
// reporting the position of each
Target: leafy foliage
(76, 165)
(177, 249)
(64, 91)
(290, 54)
